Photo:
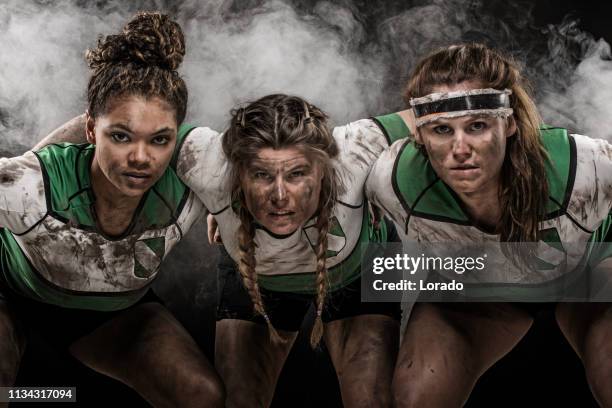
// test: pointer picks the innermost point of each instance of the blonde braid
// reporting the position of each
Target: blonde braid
(323, 225)
(246, 266)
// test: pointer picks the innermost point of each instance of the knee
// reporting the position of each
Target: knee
(202, 390)
(405, 388)
(599, 375)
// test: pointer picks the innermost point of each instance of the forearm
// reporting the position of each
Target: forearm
(72, 131)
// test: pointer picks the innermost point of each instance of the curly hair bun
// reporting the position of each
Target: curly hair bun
(150, 38)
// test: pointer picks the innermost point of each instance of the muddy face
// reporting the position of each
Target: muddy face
(282, 189)
(134, 142)
(467, 152)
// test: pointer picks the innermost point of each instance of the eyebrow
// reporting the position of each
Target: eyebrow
(129, 130)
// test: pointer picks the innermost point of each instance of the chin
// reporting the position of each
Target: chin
(133, 192)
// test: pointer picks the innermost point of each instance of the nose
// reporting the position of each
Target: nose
(139, 155)
(279, 192)
(461, 146)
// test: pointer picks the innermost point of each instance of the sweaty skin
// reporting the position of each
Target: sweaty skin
(282, 188)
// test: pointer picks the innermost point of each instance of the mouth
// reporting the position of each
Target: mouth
(280, 214)
(137, 177)
(464, 167)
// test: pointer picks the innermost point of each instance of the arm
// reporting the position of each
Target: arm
(72, 131)
(22, 192)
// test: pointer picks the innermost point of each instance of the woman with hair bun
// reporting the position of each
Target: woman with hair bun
(86, 226)
(287, 193)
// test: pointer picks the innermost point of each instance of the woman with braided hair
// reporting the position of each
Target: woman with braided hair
(86, 226)
(292, 223)
(288, 198)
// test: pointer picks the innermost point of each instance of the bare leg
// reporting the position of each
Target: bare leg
(12, 346)
(588, 328)
(363, 350)
(447, 347)
(148, 349)
(248, 362)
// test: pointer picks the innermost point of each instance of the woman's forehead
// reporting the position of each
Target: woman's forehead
(283, 156)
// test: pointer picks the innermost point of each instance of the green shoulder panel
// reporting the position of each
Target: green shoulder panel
(393, 127)
(67, 183)
(560, 167)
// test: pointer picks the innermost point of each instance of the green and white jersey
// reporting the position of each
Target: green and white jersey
(424, 209)
(52, 250)
(288, 263)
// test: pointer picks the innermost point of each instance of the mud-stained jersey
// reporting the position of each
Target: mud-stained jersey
(579, 174)
(51, 248)
(288, 263)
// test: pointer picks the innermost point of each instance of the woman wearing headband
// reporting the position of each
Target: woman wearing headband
(481, 169)
(85, 227)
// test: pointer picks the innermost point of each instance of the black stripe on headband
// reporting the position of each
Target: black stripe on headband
(462, 103)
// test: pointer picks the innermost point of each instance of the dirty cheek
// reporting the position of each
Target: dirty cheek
(437, 151)
(307, 195)
(493, 150)
(256, 198)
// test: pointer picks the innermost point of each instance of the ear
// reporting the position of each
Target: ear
(511, 126)
(418, 138)
(90, 126)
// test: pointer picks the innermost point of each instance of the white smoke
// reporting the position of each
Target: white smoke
(273, 49)
(231, 58)
(336, 54)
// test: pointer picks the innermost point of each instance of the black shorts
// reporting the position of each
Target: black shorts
(55, 325)
(287, 310)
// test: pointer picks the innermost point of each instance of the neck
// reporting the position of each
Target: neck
(483, 206)
(114, 209)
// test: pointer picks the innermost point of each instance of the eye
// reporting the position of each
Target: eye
(297, 173)
(442, 129)
(261, 175)
(120, 137)
(478, 126)
(160, 140)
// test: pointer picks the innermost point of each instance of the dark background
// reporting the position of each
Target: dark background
(541, 371)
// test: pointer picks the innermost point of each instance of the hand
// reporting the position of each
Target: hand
(213, 231)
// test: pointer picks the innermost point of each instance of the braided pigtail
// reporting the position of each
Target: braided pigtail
(246, 266)
(280, 122)
(321, 275)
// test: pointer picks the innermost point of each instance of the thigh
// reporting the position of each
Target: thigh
(148, 349)
(363, 349)
(588, 328)
(248, 362)
(447, 347)
(12, 345)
